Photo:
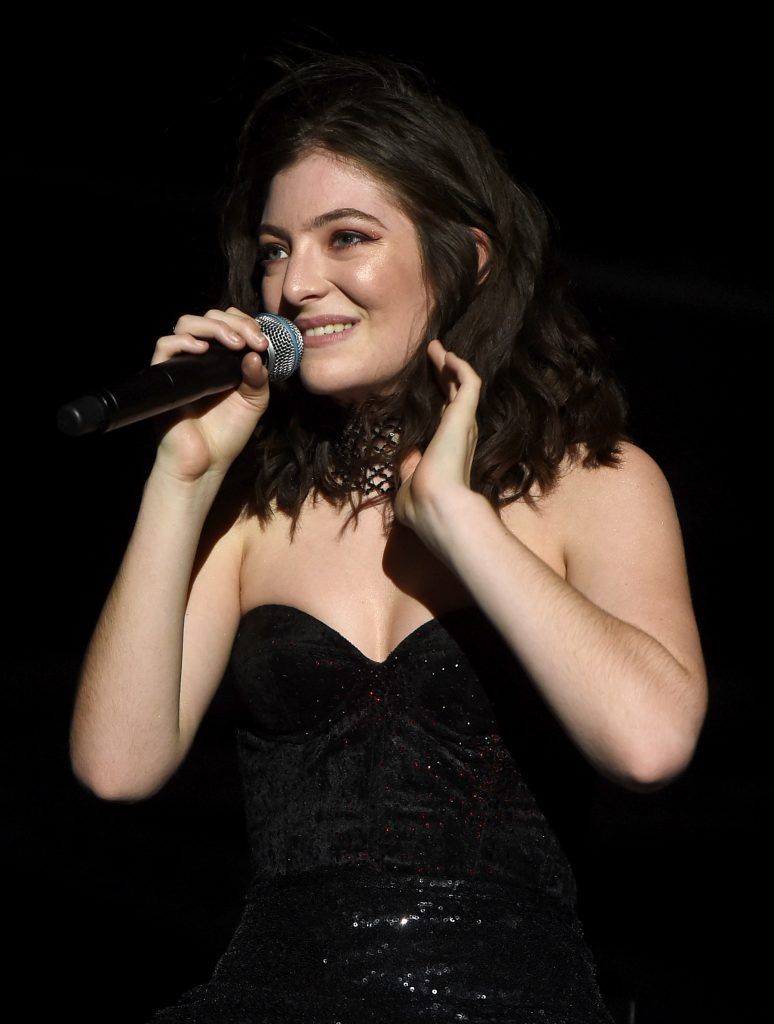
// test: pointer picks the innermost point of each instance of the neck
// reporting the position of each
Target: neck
(350, 456)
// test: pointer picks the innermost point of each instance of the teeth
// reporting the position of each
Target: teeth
(315, 332)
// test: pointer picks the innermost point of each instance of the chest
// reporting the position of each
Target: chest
(374, 586)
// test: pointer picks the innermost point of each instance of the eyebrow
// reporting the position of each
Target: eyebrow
(322, 219)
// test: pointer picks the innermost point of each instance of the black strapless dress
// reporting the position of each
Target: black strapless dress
(401, 867)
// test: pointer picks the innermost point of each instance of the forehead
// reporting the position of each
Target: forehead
(322, 181)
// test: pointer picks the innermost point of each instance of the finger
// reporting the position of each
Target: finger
(467, 387)
(240, 325)
(461, 368)
(255, 376)
(174, 344)
(232, 310)
(171, 344)
(453, 372)
(234, 331)
(437, 354)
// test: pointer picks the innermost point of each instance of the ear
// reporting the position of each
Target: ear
(484, 247)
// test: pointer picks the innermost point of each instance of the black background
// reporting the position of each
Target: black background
(645, 141)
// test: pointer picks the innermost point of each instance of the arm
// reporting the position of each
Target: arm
(163, 639)
(161, 643)
(614, 648)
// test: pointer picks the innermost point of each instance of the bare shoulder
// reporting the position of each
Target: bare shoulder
(635, 484)
(633, 465)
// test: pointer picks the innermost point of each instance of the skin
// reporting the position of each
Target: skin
(612, 643)
(590, 592)
(351, 266)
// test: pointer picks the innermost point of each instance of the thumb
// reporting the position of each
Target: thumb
(255, 379)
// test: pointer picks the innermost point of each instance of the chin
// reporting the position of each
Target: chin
(331, 385)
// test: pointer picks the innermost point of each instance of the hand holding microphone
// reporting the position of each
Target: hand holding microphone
(187, 370)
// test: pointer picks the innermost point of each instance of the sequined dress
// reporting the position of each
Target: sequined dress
(401, 867)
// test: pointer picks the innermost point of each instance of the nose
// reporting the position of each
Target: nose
(304, 276)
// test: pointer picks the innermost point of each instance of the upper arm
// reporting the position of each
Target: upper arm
(624, 551)
(212, 616)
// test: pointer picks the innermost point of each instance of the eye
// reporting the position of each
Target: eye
(272, 252)
(267, 253)
(355, 238)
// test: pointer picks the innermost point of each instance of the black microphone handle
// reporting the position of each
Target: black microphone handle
(183, 378)
(177, 381)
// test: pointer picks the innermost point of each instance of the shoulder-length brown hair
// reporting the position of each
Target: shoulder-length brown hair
(547, 391)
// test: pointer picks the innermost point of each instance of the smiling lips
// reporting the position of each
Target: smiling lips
(323, 330)
(305, 323)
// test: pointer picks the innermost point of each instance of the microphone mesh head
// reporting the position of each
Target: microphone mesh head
(286, 345)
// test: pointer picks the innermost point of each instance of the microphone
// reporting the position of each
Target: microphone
(183, 378)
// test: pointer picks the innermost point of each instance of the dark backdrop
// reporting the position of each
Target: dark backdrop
(645, 144)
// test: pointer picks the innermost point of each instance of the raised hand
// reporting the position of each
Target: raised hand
(429, 483)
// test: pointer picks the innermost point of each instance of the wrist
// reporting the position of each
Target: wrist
(454, 518)
(473, 529)
(196, 492)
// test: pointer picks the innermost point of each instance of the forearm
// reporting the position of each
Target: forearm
(126, 712)
(619, 693)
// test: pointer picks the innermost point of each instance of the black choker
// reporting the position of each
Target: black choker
(377, 479)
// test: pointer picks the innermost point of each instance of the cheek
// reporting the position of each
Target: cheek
(389, 285)
(270, 291)
(368, 280)
(413, 301)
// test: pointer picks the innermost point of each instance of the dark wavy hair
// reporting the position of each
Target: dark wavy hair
(547, 389)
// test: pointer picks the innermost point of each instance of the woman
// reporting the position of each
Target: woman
(434, 530)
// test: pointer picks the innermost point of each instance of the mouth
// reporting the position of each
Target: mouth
(317, 337)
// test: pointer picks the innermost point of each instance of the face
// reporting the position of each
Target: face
(335, 249)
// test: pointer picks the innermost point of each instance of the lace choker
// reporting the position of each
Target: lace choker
(376, 479)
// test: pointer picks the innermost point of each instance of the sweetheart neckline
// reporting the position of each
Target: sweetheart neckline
(371, 661)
